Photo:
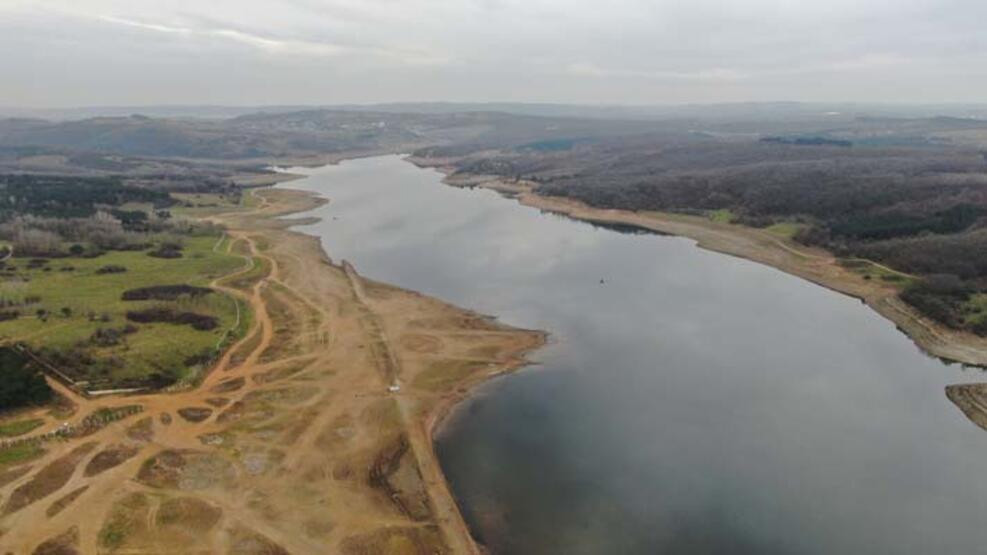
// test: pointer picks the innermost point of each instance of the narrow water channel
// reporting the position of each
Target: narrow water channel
(690, 402)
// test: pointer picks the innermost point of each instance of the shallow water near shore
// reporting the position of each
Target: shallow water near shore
(690, 402)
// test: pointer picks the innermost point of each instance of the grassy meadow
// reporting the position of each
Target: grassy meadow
(203, 205)
(64, 301)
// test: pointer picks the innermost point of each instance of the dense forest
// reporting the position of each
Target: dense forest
(21, 383)
(69, 197)
(54, 216)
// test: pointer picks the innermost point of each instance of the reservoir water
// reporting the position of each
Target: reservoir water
(690, 402)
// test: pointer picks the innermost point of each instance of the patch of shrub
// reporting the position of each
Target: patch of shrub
(164, 292)
(108, 337)
(940, 297)
(204, 357)
(9, 315)
(202, 322)
(20, 382)
(93, 317)
(158, 380)
(167, 250)
(111, 269)
(979, 327)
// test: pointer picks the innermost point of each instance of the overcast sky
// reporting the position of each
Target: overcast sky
(137, 52)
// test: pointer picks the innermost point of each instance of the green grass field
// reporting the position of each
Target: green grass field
(155, 347)
(873, 271)
(20, 454)
(19, 427)
(976, 309)
(785, 230)
(724, 216)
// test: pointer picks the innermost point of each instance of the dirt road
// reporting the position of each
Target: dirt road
(295, 442)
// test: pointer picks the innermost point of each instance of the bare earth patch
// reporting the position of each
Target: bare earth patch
(127, 518)
(186, 470)
(48, 480)
(8, 476)
(142, 430)
(248, 542)
(63, 502)
(420, 343)
(394, 540)
(229, 385)
(110, 457)
(66, 543)
(394, 473)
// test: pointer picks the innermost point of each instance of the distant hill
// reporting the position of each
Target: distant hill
(270, 135)
(777, 111)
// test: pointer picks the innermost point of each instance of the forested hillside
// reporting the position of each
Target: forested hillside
(911, 194)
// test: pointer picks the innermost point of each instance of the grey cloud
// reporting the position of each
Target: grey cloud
(69, 52)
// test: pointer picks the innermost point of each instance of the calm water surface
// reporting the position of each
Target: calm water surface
(692, 403)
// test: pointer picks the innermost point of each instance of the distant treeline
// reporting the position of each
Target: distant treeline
(54, 216)
(807, 141)
(69, 197)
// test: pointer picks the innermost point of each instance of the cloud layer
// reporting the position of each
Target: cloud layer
(102, 52)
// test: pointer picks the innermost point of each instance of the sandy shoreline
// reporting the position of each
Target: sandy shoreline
(815, 265)
(430, 421)
(440, 412)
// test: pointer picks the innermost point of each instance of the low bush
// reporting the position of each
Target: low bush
(111, 269)
(167, 250)
(941, 298)
(164, 292)
(202, 322)
(108, 337)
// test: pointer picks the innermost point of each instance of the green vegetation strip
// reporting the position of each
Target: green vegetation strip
(19, 427)
(20, 453)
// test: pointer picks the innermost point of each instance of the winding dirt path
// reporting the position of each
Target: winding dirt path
(295, 447)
